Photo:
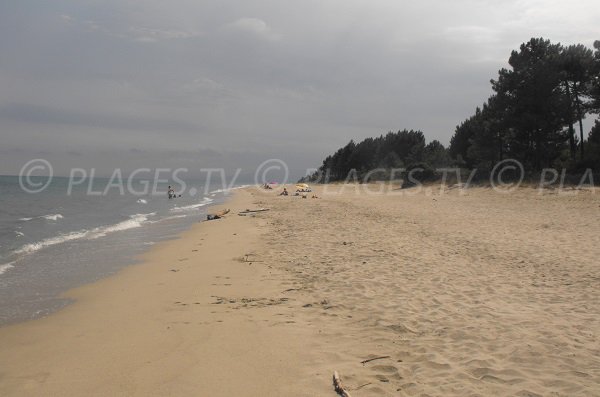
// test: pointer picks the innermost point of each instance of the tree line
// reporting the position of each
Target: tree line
(535, 115)
(379, 156)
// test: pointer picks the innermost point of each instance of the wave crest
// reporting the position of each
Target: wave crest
(50, 217)
(204, 202)
(136, 220)
(6, 267)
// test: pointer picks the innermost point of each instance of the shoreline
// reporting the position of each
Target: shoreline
(158, 327)
(432, 293)
(75, 252)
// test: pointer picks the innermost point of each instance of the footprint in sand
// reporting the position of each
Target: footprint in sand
(386, 373)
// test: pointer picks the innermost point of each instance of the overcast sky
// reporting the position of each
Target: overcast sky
(195, 83)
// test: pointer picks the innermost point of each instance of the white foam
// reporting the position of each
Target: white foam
(50, 217)
(6, 267)
(205, 201)
(168, 218)
(53, 217)
(226, 190)
(142, 201)
(188, 207)
(33, 247)
(19, 234)
(136, 221)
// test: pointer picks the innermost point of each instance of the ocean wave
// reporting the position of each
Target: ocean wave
(19, 234)
(6, 267)
(142, 201)
(50, 217)
(135, 221)
(205, 201)
(168, 218)
(53, 217)
(227, 190)
(63, 238)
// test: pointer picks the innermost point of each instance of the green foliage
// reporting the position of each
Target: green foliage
(418, 173)
(594, 84)
(532, 115)
(592, 158)
(436, 155)
(390, 151)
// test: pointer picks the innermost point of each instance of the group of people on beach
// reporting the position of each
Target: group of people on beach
(285, 192)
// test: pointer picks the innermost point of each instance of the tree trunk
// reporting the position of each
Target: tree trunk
(571, 129)
(581, 137)
(580, 117)
(572, 141)
(538, 149)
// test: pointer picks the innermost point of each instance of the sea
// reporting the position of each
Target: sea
(67, 235)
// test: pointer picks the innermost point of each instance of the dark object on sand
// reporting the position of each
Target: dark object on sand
(218, 215)
(246, 212)
(363, 362)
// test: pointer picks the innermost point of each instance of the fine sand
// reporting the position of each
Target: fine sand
(460, 293)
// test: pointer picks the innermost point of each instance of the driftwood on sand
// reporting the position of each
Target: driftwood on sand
(249, 211)
(373, 359)
(337, 385)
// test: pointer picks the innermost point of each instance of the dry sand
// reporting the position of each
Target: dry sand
(475, 294)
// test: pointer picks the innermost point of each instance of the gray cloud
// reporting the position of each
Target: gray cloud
(235, 82)
(29, 113)
(255, 27)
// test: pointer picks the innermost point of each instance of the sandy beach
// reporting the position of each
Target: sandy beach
(410, 293)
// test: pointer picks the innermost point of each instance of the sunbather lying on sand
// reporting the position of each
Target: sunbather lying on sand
(218, 215)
